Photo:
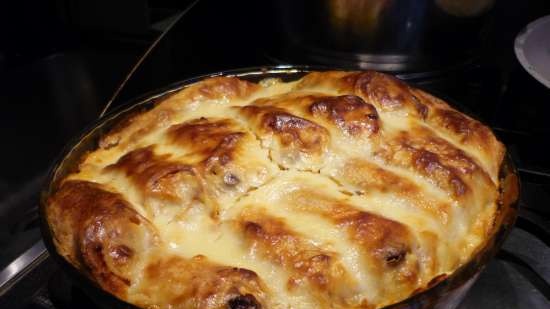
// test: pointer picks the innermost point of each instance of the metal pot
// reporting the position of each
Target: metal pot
(444, 292)
(390, 35)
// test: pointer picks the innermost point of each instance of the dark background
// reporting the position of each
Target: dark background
(60, 61)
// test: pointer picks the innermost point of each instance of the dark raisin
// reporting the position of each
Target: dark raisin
(230, 179)
(247, 301)
(121, 253)
(394, 256)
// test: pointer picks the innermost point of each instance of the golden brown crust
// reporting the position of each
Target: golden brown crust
(386, 241)
(199, 283)
(220, 87)
(101, 232)
(204, 136)
(316, 268)
(350, 113)
(387, 247)
(297, 141)
(155, 175)
(465, 130)
(339, 190)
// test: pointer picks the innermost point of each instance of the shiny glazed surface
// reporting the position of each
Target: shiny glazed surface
(303, 157)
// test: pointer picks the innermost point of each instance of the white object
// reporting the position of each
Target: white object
(532, 49)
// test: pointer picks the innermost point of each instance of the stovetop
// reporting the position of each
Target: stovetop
(493, 89)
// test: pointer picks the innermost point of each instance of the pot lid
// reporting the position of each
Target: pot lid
(532, 47)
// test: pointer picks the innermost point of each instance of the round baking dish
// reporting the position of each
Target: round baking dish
(443, 292)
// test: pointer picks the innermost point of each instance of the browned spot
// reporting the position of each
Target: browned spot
(149, 122)
(386, 246)
(429, 164)
(290, 101)
(93, 255)
(121, 254)
(370, 177)
(385, 242)
(457, 122)
(390, 93)
(469, 130)
(292, 131)
(135, 220)
(275, 241)
(135, 125)
(394, 255)
(350, 113)
(351, 79)
(244, 302)
(230, 179)
(329, 79)
(201, 283)
(223, 153)
(421, 108)
(220, 87)
(96, 229)
(218, 170)
(386, 92)
(156, 174)
(217, 151)
(278, 243)
(385, 239)
(440, 162)
(448, 153)
(112, 138)
(245, 274)
(230, 87)
(202, 135)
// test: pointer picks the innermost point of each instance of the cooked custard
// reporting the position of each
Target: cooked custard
(337, 190)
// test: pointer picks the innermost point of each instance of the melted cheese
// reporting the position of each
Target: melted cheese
(340, 190)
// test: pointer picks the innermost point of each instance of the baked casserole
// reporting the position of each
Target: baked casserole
(338, 190)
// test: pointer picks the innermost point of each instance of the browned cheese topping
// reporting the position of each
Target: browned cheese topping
(338, 190)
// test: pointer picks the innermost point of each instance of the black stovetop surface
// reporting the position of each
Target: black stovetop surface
(494, 88)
